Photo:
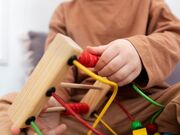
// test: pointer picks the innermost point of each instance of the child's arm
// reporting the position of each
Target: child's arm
(6, 127)
(159, 50)
(5, 123)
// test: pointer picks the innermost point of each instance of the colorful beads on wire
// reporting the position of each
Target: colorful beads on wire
(90, 60)
(136, 125)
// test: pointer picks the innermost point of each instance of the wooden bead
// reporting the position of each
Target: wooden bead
(141, 131)
(136, 125)
(152, 128)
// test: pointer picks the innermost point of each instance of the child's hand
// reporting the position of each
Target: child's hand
(119, 61)
(45, 130)
(49, 123)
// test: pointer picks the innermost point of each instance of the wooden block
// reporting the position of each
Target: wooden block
(141, 131)
(95, 97)
(49, 73)
(79, 86)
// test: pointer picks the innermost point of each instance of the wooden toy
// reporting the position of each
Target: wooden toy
(80, 86)
(49, 73)
(95, 98)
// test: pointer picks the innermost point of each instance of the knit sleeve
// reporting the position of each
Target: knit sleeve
(159, 49)
(57, 24)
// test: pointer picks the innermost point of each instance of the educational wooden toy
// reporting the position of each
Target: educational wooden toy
(48, 73)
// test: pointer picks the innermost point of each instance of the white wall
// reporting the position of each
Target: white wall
(24, 15)
(175, 6)
(27, 15)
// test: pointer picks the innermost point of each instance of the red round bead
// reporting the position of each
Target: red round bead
(87, 59)
(152, 128)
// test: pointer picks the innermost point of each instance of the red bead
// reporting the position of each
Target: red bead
(88, 59)
(79, 108)
(152, 128)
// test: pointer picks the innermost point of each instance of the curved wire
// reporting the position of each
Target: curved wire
(36, 128)
(146, 97)
(103, 80)
(106, 125)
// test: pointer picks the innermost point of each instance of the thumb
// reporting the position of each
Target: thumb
(58, 130)
(97, 50)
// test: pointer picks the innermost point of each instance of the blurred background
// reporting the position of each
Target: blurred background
(23, 23)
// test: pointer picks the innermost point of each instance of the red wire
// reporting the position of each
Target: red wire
(75, 115)
(125, 110)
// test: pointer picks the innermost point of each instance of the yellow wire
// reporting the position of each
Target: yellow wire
(101, 79)
(106, 125)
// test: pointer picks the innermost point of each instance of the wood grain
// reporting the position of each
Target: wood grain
(95, 97)
(79, 86)
(49, 73)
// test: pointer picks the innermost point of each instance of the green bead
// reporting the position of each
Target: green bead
(136, 125)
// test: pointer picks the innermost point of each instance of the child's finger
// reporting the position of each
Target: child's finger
(60, 129)
(112, 67)
(121, 74)
(109, 54)
(57, 131)
(128, 79)
(15, 130)
(96, 50)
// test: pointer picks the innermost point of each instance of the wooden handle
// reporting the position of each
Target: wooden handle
(55, 109)
(48, 73)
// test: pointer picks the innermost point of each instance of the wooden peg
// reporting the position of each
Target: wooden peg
(95, 97)
(55, 109)
(79, 86)
(49, 73)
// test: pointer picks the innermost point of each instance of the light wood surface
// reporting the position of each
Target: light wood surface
(94, 98)
(55, 109)
(49, 73)
(79, 86)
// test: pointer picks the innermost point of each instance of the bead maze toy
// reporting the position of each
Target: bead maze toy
(62, 53)
(48, 73)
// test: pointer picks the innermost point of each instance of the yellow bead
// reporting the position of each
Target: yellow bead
(141, 131)
(157, 133)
